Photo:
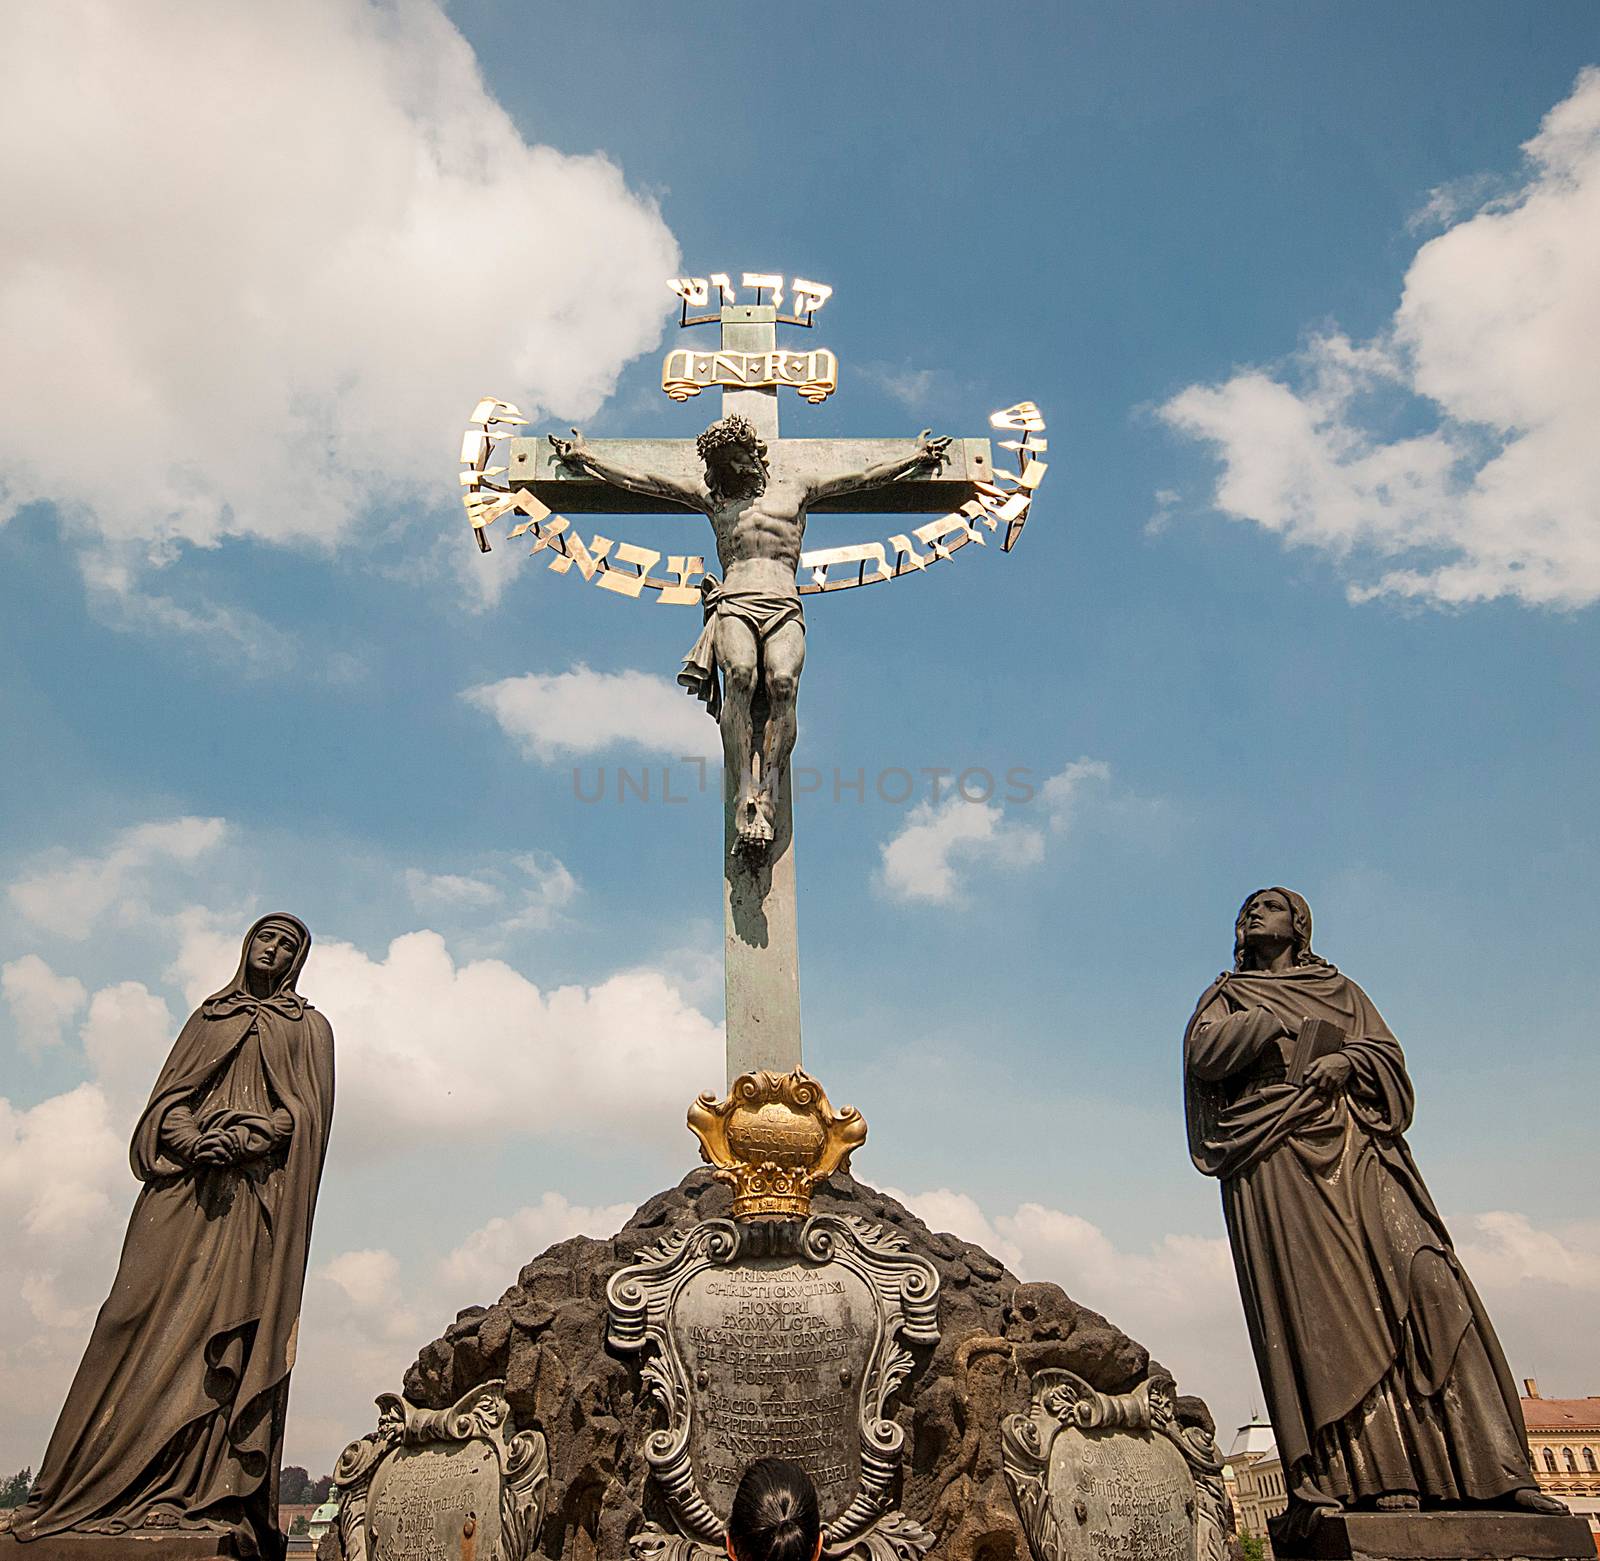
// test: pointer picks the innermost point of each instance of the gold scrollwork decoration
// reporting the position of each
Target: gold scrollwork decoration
(773, 1139)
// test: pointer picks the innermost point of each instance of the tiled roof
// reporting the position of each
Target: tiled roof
(1562, 1414)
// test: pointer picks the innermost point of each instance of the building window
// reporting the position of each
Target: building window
(1550, 1460)
(1571, 1459)
(1588, 1461)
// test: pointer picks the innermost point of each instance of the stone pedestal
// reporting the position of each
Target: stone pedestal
(139, 1545)
(1440, 1536)
(546, 1337)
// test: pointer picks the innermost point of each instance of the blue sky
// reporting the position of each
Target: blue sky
(1307, 295)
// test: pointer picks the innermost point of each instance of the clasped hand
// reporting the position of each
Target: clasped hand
(218, 1148)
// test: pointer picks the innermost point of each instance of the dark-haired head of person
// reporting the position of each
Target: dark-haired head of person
(775, 1515)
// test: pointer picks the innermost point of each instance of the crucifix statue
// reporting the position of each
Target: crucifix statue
(755, 628)
(758, 490)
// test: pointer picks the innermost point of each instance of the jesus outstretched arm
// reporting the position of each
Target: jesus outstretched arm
(575, 452)
(930, 452)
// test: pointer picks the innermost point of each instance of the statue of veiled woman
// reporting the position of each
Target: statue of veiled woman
(175, 1419)
(1385, 1382)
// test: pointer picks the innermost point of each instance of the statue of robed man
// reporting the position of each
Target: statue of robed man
(1385, 1382)
(175, 1419)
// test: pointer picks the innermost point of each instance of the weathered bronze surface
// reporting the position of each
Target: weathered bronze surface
(1385, 1382)
(773, 1139)
(134, 1545)
(174, 1422)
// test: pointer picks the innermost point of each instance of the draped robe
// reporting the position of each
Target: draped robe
(1381, 1370)
(175, 1417)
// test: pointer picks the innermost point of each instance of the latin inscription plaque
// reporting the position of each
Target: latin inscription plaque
(1136, 1496)
(778, 1339)
(442, 1484)
(779, 1353)
(1113, 1476)
(438, 1503)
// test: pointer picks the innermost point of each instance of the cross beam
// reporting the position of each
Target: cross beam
(534, 465)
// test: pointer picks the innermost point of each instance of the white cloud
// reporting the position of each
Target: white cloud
(940, 839)
(363, 1318)
(943, 842)
(916, 389)
(528, 897)
(431, 1050)
(59, 1163)
(1452, 459)
(1503, 1249)
(1179, 1298)
(451, 890)
(959, 1213)
(1064, 792)
(273, 256)
(581, 712)
(68, 895)
(42, 1003)
(369, 1279)
(126, 1038)
(478, 1271)
(64, 1188)
(367, 1313)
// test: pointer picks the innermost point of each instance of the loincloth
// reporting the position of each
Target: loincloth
(765, 612)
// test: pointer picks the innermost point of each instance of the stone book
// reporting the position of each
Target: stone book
(1317, 1038)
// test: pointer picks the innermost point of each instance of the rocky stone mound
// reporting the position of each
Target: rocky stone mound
(545, 1336)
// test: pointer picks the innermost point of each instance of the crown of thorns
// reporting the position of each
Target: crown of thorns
(734, 429)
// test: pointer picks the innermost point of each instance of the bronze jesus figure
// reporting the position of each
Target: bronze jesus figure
(754, 629)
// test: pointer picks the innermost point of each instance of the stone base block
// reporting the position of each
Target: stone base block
(1440, 1536)
(139, 1545)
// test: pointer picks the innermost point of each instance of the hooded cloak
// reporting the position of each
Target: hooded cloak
(175, 1418)
(1381, 1370)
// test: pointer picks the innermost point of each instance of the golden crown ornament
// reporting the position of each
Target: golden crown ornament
(773, 1139)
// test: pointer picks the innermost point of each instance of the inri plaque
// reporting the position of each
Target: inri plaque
(791, 1349)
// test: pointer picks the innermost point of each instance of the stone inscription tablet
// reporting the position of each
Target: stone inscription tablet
(777, 1352)
(778, 1340)
(436, 1503)
(1121, 1497)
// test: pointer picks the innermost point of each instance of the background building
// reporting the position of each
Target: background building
(1564, 1437)
(1255, 1479)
